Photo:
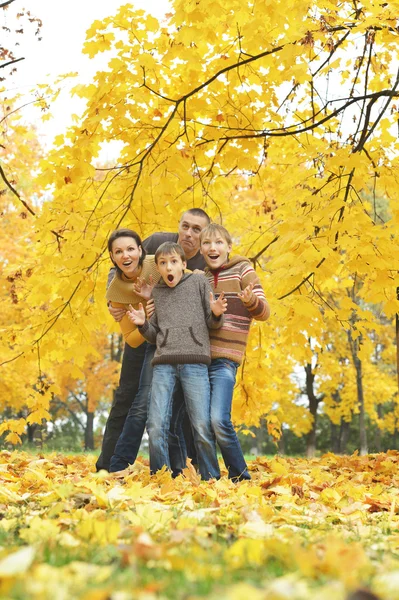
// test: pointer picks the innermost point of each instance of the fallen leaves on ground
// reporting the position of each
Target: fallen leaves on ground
(300, 529)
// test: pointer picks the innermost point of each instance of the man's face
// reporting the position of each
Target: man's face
(171, 268)
(190, 227)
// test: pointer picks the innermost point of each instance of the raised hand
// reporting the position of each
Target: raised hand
(136, 316)
(219, 306)
(143, 288)
(150, 308)
(247, 293)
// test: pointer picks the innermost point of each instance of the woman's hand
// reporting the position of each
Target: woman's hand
(247, 294)
(219, 306)
(136, 316)
(150, 308)
(117, 313)
(142, 288)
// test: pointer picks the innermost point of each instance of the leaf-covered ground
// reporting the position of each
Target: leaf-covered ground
(301, 530)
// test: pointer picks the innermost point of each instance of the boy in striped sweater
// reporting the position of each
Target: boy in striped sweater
(237, 280)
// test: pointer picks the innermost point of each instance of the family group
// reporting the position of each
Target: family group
(185, 307)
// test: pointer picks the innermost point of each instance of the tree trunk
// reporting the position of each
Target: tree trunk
(30, 431)
(37, 437)
(261, 437)
(377, 439)
(281, 443)
(344, 437)
(313, 404)
(395, 437)
(397, 338)
(335, 431)
(89, 433)
(354, 345)
(362, 412)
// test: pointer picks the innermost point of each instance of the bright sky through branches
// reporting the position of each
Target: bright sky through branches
(60, 51)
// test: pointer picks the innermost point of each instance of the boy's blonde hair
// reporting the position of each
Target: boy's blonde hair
(213, 229)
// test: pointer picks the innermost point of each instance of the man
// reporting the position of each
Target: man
(191, 224)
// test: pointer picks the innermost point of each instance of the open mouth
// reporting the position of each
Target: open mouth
(127, 263)
(170, 278)
(213, 256)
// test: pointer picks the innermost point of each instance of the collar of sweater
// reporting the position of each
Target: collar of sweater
(230, 263)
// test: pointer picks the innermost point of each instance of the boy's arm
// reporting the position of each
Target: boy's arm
(253, 296)
(206, 293)
(149, 330)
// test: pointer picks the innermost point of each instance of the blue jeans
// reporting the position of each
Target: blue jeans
(195, 383)
(129, 381)
(222, 377)
(128, 444)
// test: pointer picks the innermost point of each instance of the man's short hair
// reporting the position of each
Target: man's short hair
(197, 212)
(213, 229)
(168, 248)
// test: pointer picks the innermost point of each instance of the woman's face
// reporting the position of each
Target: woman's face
(126, 254)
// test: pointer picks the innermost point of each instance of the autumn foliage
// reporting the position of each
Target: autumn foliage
(302, 529)
(280, 122)
(280, 119)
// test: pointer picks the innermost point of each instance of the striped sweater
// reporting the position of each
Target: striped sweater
(232, 278)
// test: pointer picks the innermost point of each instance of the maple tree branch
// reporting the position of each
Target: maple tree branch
(230, 68)
(4, 4)
(337, 45)
(55, 319)
(14, 191)
(77, 399)
(255, 258)
(58, 403)
(303, 281)
(11, 62)
(11, 112)
(26, 205)
(5, 362)
(342, 209)
(366, 81)
(365, 135)
(359, 66)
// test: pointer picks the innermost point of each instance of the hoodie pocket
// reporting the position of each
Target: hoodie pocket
(194, 338)
(165, 339)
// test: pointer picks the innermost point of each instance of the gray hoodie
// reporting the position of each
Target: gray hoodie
(180, 324)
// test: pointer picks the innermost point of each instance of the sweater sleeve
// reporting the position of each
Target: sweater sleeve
(257, 306)
(212, 321)
(150, 329)
(130, 333)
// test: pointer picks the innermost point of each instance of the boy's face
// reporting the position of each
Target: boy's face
(215, 249)
(171, 268)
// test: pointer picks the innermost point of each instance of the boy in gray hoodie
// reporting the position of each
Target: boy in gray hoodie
(185, 309)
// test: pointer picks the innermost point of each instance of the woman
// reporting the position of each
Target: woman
(132, 284)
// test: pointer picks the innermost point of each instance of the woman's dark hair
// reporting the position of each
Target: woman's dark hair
(118, 233)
